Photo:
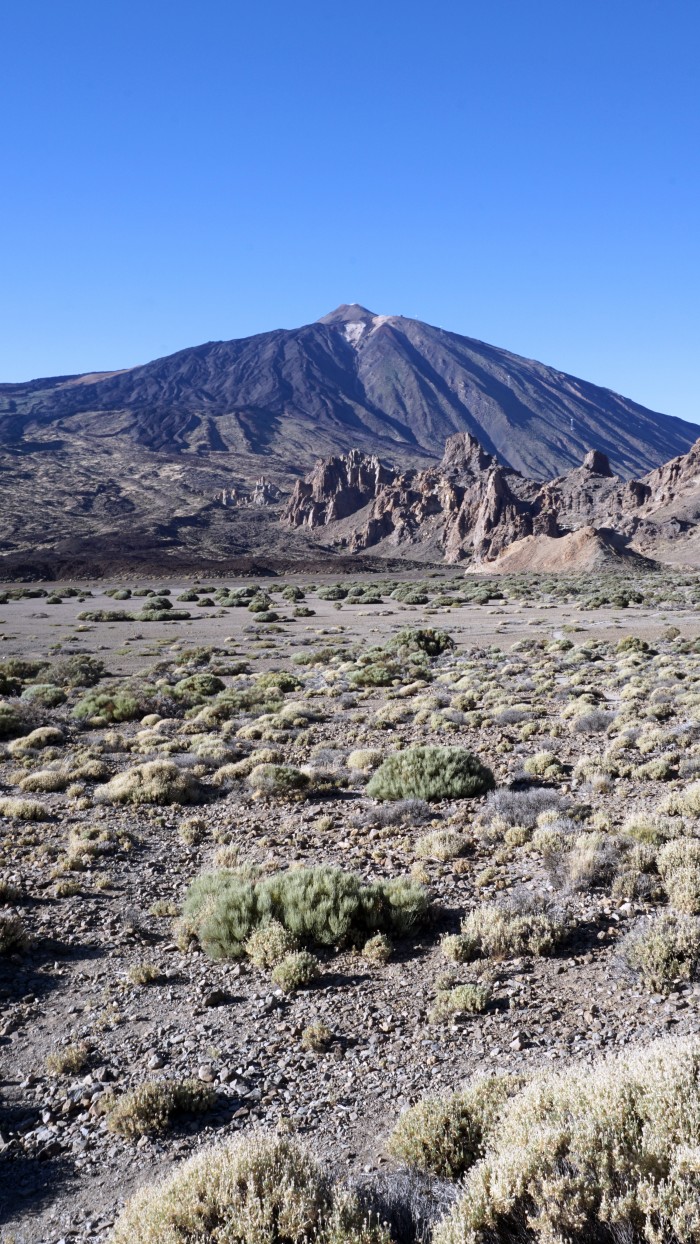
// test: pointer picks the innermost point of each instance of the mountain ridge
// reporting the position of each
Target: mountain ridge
(385, 384)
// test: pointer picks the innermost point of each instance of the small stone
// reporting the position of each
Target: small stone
(155, 1062)
(215, 997)
(206, 1073)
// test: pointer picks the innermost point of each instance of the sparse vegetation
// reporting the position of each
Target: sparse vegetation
(155, 1106)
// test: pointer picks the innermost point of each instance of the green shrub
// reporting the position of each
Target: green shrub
(377, 949)
(295, 971)
(45, 694)
(268, 944)
(446, 1136)
(503, 931)
(598, 1153)
(440, 844)
(431, 773)
(12, 722)
(116, 705)
(365, 759)
(678, 864)
(198, 688)
(430, 642)
(13, 935)
(79, 670)
(277, 781)
(318, 906)
(106, 615)
(469, 999)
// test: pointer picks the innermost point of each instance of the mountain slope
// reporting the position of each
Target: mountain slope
(383, 384)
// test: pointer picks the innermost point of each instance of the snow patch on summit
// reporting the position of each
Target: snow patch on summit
(353, 331)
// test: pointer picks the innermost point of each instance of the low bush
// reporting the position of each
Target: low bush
(469, 999)
(521, 925)
(317, 906)
(364, 759)
(152, 1108)
(120, 704)
(13, 935)
(78, 670)
(257, 1189)
(521, 807)
(598, 1153)
(198, 688)
(295, 971)
(156, 782)
(678, 864)
(431, 773)
(269, 943)
(37, 740)
(664, 949)
(14, 722)
(277, 781)
(45, 694)
(445, 1136)
(430, 642)
(70, 1060)
(377, 949)
(23, 809)
(440, 844)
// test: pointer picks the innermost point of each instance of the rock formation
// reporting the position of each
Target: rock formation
(336, 488)
(472, 508)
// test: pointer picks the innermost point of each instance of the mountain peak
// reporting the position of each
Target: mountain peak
(347, 313)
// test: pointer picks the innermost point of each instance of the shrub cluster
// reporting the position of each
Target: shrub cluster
(431, 773)
(317, 906)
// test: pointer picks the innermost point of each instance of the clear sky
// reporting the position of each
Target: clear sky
(522, 171)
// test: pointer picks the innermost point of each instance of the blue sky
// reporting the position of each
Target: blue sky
(524, 171)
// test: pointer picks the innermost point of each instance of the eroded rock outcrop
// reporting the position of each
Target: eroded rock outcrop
(336, 488)
(470, 507)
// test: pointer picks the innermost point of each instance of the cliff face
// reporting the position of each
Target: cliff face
(472, 508)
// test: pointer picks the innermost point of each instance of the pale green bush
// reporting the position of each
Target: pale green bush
(153, 1107)
(295, 971)
(607, 1152)
(440, 844)
(23, 809)
(430, 773)
(156, 782)
(664, 949)
(469, 999)
(255, 1190)
(504, 931)
(318, 906)
(445, 1136)
(277, 781)
(269, 943)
